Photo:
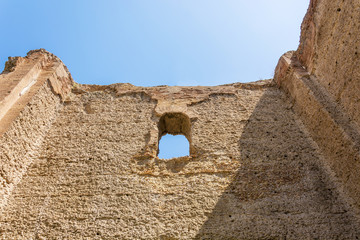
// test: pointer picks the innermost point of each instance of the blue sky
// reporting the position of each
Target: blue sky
(173, 146)
(156, 42)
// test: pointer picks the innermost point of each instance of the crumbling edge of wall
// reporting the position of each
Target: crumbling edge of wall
(329, 126)
(33, 89)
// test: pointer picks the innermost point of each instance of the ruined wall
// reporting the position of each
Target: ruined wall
(323, 80)
(330, 49)
(265, 163)
(28, 105)
(252, 173)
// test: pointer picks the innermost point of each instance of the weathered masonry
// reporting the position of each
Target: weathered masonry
(273, 159)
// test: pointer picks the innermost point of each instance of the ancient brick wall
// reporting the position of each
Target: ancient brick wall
(329, 48)
(253, 172)
(28, 105)
(80, 161)
(323, 80)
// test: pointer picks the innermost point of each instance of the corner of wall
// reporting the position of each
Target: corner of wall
(31, 93)
(330, 121)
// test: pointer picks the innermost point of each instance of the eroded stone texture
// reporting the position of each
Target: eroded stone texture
(323, 80)
(253, 171)
(330, 49)
(265, 163)
(28, 104)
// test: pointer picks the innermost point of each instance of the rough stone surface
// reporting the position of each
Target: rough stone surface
(80, 161)
(253, 171)
(330, 49)
(28, 105)
(323, 80)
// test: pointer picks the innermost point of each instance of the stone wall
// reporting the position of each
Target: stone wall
(253, 172)
(330, 49)
(80, 161)
(323, 80)
(28, 105)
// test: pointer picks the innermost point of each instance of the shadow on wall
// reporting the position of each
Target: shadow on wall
(278, 192)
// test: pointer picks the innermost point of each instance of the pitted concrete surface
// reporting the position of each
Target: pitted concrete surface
(253, 173)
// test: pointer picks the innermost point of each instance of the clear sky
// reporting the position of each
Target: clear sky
(155, 42)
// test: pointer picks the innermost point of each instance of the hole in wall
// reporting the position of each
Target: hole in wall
(174, 135)
(171, 146)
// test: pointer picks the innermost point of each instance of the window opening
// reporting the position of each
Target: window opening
(174, 135)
